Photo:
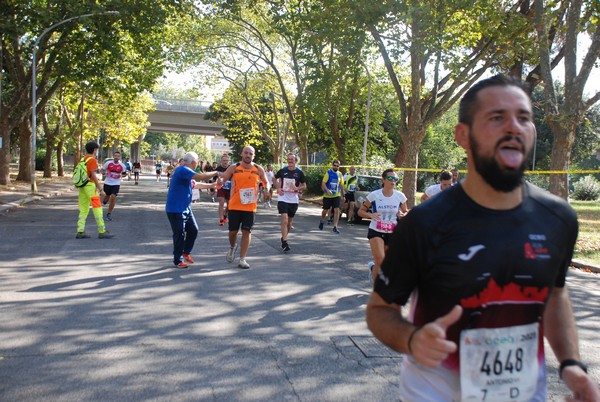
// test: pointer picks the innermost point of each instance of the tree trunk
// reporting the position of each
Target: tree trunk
(25, 151)
(564, 137)
(5, 154)
(60, 163)
(409, 152)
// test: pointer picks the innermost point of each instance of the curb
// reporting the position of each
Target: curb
(585, 266)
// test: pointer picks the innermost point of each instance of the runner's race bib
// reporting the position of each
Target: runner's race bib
(247, 196)
(499, 364)
(288, 184)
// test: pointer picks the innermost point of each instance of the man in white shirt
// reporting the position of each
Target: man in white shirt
(445, 182)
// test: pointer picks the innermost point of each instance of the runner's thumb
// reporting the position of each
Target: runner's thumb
(453, 316)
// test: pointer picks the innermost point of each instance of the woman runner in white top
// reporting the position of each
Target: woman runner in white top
(387, 206)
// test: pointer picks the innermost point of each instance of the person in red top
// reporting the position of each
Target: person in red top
(90, 194)
(244, 176)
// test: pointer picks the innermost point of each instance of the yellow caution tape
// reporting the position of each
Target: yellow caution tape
(358, 167)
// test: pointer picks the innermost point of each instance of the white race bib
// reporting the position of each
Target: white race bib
(499, 364)
(288, 184)
(247, 196)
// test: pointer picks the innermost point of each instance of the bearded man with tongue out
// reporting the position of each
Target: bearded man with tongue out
(484, 266)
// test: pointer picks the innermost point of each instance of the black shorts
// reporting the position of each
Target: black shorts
(385, 236)
(349, 196)
(109, 190)
(331, 202)
(245, 219)
(287, 208)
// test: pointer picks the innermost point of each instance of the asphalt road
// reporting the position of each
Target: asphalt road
(101, 320)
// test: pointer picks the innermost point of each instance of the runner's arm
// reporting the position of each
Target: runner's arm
(561, 332)
(205, 176)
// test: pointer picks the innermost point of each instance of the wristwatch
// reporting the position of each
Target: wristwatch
(571, 362)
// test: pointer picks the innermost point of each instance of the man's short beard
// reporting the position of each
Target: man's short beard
(504, 180)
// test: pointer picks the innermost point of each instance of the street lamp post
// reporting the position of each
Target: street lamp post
(34, 86)
(364, 155)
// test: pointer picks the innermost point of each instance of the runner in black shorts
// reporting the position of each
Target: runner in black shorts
(289, 182)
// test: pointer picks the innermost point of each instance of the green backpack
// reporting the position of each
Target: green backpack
(80, 173)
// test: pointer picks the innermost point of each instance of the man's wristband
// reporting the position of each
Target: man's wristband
(571, 362)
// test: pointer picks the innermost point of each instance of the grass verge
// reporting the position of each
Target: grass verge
(587, 248)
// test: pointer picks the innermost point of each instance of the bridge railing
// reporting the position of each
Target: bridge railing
(183, 105)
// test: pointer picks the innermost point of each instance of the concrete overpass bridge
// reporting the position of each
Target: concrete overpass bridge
(182, 117)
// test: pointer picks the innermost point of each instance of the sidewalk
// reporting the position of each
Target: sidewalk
(19, 193)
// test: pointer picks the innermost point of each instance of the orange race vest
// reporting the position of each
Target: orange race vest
(244, 189)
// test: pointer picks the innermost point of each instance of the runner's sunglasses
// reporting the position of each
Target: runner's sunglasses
(392, 178)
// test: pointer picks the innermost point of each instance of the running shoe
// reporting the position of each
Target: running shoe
(285, 246)
(188, 258)
(371, 265)
(105, 235)
(82, 235)
(321, 225)
(108, 217)
(221, 222)
(231, 253)
(225, 219)
(243, 264)
(182, 265)
(330, 221)
(335, 230)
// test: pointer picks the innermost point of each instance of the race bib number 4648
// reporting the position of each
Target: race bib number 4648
(499, 364)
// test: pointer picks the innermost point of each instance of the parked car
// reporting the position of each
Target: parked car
(364, 186)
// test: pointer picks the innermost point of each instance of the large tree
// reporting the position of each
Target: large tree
(121, 53)
(574, 17)
(433, 52)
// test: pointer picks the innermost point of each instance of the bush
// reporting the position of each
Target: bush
(587, 189)
(314, 177)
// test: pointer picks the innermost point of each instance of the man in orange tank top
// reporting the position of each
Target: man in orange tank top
(245, 177)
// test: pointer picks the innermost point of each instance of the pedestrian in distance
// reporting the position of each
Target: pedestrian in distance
(333, 188)
(289, 183)
(129, 167)
(137, 169)
(170, 169)
(384, 207)
(158, 167)
(434, 189)
(454, 173)
(113, 171)
(180, 215)
(268, 190)
(350, 182)
(223, 192)
(245, 176)
(89, 195)
(485, 262)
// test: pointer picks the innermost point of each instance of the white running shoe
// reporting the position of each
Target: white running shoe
(231, 253)
(243, 264)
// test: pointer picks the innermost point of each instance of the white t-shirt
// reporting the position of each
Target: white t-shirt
(113, 172)
(387, 208)
(433, 190)
(270, 175)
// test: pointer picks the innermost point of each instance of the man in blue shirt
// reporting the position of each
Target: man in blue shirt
(181, 217)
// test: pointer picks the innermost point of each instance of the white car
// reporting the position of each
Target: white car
(364, 186)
